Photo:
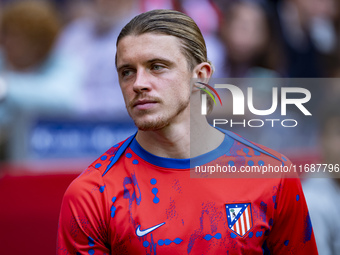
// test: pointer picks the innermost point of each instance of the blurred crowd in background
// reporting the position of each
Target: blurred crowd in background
(59, 91)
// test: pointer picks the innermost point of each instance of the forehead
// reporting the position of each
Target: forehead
(149, 46)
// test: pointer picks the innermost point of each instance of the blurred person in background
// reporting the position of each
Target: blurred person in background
(252, 48)
(252, 51)
(323, 194)
(90, 39)
(35, 80)
(308, 34)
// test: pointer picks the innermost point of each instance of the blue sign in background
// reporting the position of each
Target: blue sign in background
(72, 139)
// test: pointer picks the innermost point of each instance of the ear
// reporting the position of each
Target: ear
(202, 72)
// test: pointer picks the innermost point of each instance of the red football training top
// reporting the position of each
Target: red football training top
(132, 202)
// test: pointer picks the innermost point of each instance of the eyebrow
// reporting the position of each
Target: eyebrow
(163, 60)
(123, 66)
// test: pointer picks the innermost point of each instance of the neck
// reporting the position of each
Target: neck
(187, 139)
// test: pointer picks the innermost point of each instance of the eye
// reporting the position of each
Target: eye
(126, 73)
(157, 67)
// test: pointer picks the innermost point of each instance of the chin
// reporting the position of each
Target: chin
(151, 125)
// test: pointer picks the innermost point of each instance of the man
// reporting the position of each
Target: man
(138, 197)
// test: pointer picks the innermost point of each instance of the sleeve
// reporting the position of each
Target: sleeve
(292, 231)
(84, 217)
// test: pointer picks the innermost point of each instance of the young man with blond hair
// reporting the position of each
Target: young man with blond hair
(139, 198)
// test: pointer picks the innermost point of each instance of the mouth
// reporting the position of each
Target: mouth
(144, 104)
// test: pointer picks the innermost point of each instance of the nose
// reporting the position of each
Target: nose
(142, 81)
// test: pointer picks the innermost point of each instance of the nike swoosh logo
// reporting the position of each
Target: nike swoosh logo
(144, 232)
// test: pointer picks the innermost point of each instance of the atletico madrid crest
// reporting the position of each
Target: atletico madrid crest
(239, 218)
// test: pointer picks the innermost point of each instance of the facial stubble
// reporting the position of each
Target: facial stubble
(161, 121)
